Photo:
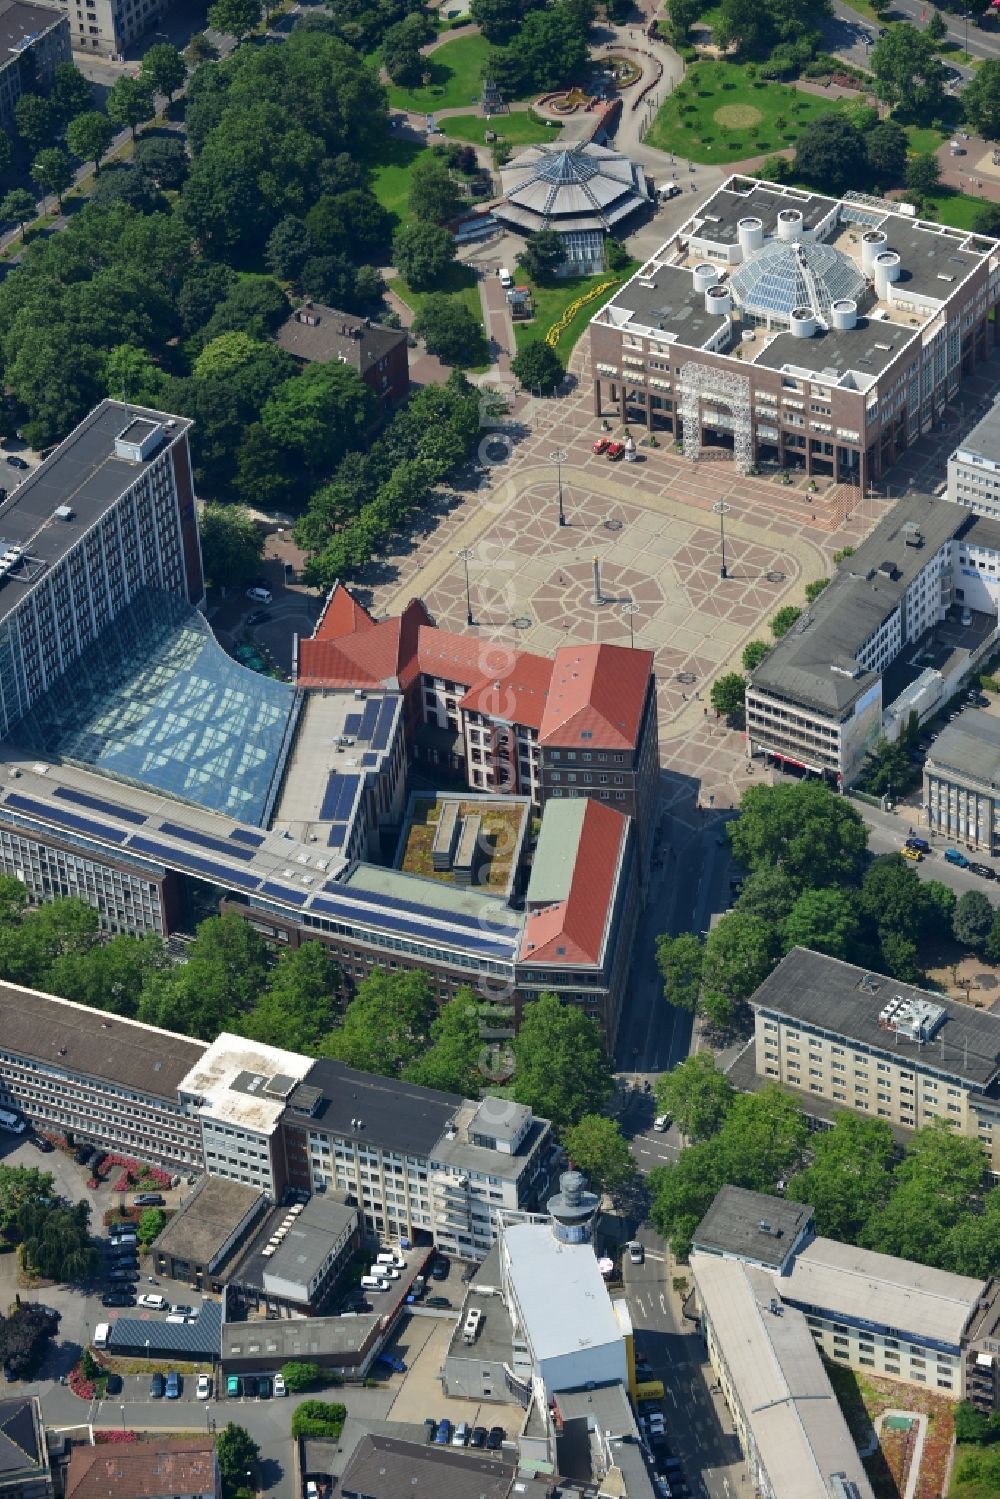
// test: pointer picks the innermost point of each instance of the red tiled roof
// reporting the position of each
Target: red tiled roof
(143, 1470)
(379, 652)
(597, 691)
(516, 694)
(343, 615)
(572, 931)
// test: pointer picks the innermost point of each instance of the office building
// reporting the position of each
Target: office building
(25, 1471)
(238, 1090)
(902, 623)
(209, 1231)
(981, 1352)
(420, 1164)
(764, 1231)
(962, 782)
(974, 467)
(316, 335)
(34, 40)
(795, 1441)
(101, 1078)
(813, 332)
(160, 1468)
(383, 1467)
(296, 1257)
(108, 28)
(867, 1042)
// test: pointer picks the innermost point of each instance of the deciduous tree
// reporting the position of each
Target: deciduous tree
(981, 98)
(457, 1048)
(422, 253)
(728, 695)
(130, 102)
(973, 919)
(696, 1095)
(562, 1070)
(450, 330)
(163, 69)
(538, 367)
(542, 255)
(53, 171)
(908, 72)
(679, 960)
(816, 837)
(234, 17)
(89, 135)
(231, 544)
(433, 194)
(850, 1176)
(597, 1147)
(387, 1023)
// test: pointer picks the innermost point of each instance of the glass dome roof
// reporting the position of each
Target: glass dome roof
(788, 274)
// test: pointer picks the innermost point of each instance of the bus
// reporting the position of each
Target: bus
(13, 1122)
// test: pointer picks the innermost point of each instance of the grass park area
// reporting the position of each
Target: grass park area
(390, 178)
(720, 114)
(949, 207)
(460, 283)
(552, 301)
(521, 128)
(456, 71)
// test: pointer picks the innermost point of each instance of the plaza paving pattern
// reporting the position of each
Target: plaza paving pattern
(651, 526)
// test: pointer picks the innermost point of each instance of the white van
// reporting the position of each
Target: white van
(471, 1329)
(506, 279)
(259, 595)
(388, 1271)
(13, 1122)
(102, 1333)
(374, 1283)
(386, 1258)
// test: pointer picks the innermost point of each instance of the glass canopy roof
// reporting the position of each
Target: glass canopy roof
(155, 700)
(786, 274)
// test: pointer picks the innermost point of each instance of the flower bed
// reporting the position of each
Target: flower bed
(83, 1389)
(135, 1176)
(114, 1434)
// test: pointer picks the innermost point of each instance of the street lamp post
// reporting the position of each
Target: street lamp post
(123, 1418)
(466, 554)
(558, 457)
(720, 507)
(630, 608)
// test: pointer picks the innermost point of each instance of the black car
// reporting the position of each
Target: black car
(122, 1278)
(438, 1301)
(250, 1384)
(440, 1267)
(430, 1428)
(149, 1200)
(118, 1298)
(983, 870)
(113, 1384)
(16, 462)
(495, 1438)
(478, 1436)
(263, 1388)
(40, 1143)
(82, 1154)
(157, 1385)
(257, 617)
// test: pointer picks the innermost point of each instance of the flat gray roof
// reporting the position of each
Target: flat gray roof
(752, 1226)
(59, 1033)
(305, 1246)
(867, 349)
(607, 1407)
(779, 1381)
(934, 258)
(984, 438)
(860, 597)
(968, 749)
(300, 1337)
(719, 215)
(827, 995)
(84, 474)
(394, 1115)
(387, 1468)
(209, 1218)
(670, 304)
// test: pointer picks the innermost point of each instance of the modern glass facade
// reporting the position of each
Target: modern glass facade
(156, 701)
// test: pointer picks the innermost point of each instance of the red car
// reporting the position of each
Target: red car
(616, 450)
(601, 445)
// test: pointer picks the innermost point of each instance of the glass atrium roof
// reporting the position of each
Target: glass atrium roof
(787, 274)
(155, 700)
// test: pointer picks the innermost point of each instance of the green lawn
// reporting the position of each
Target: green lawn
(720, 115)
(523, 128)
(957, 209)
(924, 140)
(390, 179)
(976, 1473)
(551, 302)
(456, 71)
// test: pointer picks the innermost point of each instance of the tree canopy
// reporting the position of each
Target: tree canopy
(562, 1070)
(387, 1024)
(803, 828)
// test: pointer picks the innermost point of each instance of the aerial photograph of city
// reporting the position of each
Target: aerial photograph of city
(500, 749)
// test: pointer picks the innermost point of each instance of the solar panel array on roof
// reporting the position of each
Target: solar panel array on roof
(425, 931)
(64, 819)
(337, 835)
(338, 797)
(284, 892)
(456, 918)
(369, 758)
(352, 724)
(243, 835)
(203, 840)
(217, 873)
(387, 712)
(369, 718)
(85, 799)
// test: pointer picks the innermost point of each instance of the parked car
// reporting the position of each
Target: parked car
(920, 844)
(264, 1387)
(430, 1427)
(83, 1153)
(173, 1385)
(203, 1389)
(40, 1143)
(913, 854)
(478, 1436)
(440, 1267)
(615, 451)
(118, 1298)
(495, 1438)
(114, 1384)
(234, 1387)
(280, 1388)
(601, 445)
(16, 462)
(154, 1301)
(437, 1301)
(954, 856)
(180, 1310)
(662, 1122)
(149, 1200)
(442, 1437)
(636, 1253)
(256, 617)
(983, 870)
(157, 1385)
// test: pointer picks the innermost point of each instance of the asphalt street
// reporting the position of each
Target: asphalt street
(888, 831)
(699, 1431)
